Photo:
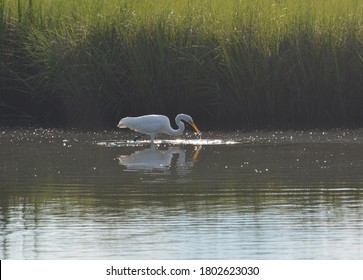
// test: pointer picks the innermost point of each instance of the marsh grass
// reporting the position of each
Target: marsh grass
(237, 61)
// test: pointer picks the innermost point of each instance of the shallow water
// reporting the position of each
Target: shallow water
(240, 195)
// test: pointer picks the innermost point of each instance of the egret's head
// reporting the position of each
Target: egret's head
(189, 120)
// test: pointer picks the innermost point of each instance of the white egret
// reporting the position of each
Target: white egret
(154, 124)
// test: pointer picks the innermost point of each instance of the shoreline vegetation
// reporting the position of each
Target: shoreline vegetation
(245, 63)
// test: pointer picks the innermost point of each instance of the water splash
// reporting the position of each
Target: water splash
(194, 142)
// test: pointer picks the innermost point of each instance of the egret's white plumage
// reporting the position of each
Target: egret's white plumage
(154, 124)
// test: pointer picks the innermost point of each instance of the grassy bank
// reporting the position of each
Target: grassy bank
(243, 62)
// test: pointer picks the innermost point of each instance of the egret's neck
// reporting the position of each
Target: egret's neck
(180, 130)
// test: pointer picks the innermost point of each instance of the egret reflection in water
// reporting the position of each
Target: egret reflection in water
(159, 159)
(155, 158)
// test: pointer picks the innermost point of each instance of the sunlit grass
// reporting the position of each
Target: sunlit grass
(247, 62)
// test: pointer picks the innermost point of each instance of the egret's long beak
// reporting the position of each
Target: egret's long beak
(195, 128)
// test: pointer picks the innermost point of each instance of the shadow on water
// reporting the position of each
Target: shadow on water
(260, 195)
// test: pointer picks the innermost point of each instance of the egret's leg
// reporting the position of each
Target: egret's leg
(152, 137)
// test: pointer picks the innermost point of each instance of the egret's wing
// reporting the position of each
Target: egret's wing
(145, 124)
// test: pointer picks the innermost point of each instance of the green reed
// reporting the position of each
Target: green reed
(237, 61)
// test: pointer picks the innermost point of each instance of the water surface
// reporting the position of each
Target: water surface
(241, 195)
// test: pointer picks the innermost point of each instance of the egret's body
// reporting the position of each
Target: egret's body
(154, 124)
